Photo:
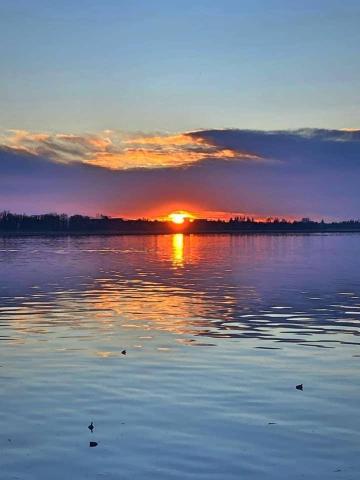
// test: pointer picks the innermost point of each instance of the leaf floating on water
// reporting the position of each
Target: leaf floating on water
(93, 444)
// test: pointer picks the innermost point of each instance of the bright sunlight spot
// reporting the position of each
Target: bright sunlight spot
(180, 217)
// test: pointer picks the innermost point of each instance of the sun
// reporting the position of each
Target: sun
(179, 217)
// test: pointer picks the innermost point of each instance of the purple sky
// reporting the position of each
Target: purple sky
(309, 172)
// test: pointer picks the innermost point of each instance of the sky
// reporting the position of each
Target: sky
(215, 107)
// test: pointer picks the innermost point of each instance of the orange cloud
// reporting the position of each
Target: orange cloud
(180, 139)
(118, 151)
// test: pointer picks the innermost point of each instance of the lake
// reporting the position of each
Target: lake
(218, 331)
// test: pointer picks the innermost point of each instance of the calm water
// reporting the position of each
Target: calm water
(218, 331)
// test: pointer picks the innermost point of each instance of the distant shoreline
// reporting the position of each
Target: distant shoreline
(156, 233)
(54, 224)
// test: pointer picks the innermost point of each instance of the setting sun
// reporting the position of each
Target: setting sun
(179, 217)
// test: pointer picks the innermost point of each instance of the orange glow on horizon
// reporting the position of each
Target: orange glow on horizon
(180, 217)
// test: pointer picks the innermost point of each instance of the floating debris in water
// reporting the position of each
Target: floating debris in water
(123, 352)
(299, 387)
(93, 444)
(91, 427)
(272, 423)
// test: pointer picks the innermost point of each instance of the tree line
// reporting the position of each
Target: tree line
(62, 223)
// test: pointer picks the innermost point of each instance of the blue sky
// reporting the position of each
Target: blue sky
(85, 66)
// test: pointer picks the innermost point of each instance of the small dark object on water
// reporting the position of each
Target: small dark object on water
(123, 352)
(91, 427)
(299, 387)
(93, 444)
(272, 423)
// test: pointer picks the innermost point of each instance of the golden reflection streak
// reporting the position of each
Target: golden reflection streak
(178, 249)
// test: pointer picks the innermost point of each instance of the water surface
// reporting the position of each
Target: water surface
(218, 331)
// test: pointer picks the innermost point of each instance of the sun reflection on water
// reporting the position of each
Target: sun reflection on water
(178, 249)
